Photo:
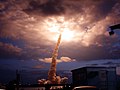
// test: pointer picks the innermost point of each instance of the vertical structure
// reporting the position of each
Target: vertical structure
(52, 71)
(17, 79)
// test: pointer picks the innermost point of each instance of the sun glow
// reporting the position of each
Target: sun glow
(60, 26)
(67, 35)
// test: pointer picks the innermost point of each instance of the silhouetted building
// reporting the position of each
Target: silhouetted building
(103, 78)
(17, 79)
(14, 84)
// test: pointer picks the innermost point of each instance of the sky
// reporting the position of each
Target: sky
(29, 30)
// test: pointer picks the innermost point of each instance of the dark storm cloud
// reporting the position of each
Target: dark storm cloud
(23, 19)
(106, 6)
(96, 9)
(51, 7)
(92, 10)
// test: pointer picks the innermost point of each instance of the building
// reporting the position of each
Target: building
(103, 78)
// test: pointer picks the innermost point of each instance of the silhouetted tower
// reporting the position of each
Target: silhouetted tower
(52, 71)
(17, 79)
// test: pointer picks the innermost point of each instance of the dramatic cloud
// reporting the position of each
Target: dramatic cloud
(52, 7)
(32, 22)
(9, 51)
(62, 59)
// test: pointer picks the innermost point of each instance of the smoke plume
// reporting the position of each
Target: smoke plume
(52, 72)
